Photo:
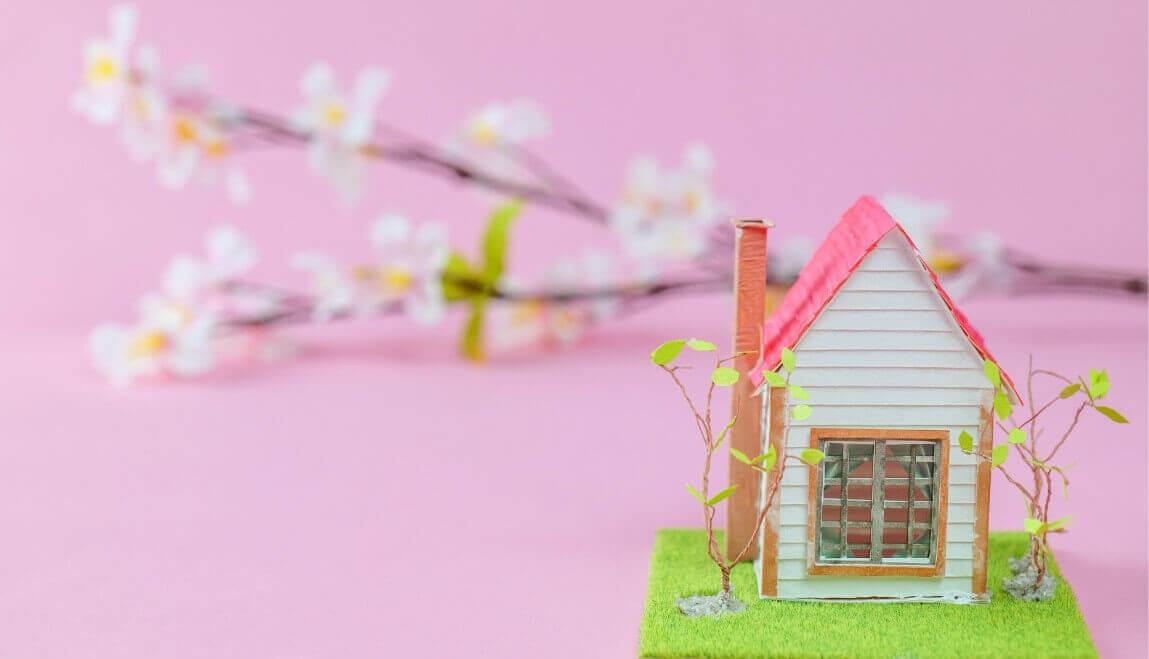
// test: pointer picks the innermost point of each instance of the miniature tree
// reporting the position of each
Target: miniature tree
(724, 376)
(1030, 580)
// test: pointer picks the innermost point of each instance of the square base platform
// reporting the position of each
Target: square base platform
(1004, 627)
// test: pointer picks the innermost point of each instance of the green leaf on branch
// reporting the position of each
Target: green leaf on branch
(667, 352)
(1001, 404)
(811, 456)
(767, 459)
(800, 412)
(696, 494)
(721, 495)
(1098, 384)
(1113, 414)
(1070, 390)
(965, 441)
(774, 379)
(496, 238)
(698, 345)
(460, 281)
(1016, 436)
(471, 343)
(740, 456)
(724, 376)
(992, 373)
(798, 392)
(788, 360)
(1033, 526)
(1000, 453)
(1058, 524)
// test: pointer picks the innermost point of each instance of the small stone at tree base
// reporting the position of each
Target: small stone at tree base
(1022, 584)
(710, 605)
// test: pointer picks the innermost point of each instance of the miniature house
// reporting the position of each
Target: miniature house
(894, 372)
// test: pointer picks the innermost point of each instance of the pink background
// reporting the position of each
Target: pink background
(379, 497)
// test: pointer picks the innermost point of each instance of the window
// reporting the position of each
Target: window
(878, 501)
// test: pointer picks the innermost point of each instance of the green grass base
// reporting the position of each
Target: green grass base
(1004, 627)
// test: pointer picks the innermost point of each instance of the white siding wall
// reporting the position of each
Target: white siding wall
(885, 353)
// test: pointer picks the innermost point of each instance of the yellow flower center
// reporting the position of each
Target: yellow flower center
(484, 134)
(944, 261)
(527, 312)
(334, 113)
(395, 280)
(692, 200)
(102, 69)
(184, 129)
(148, 344)
(215, 147)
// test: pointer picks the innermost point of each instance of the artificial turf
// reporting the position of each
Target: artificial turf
(1004, 627)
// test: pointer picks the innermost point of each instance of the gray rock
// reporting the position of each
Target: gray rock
(1023, 583)
(710, 605)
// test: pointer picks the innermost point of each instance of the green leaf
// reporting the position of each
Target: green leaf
(1000, 453)
(496, 238)
(799, 392)
(1059, 523)
(1016, 436)
(774, 379)
(1001, 405)
(471, 343)
(721, 495)
(965, 441)
(722, 435)
(767, 459)
(811, 456)
(667, 352)
(698, 345)
(740, 456)
(800, 412)
(459, 279)
(788, 360)
(696, 494)
(724, 376)
(1098, 384)
(1070, 390)
(1113, 414)
(992, 373)
(1033, 526)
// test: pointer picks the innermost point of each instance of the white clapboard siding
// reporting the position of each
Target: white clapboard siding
(890, 376)
(907, 358)
(884, 353)
(830, 395)
(819, 339)
(956, 588)
(923, 320)
(887, 300)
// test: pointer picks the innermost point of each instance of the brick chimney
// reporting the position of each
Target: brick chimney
(749, 316)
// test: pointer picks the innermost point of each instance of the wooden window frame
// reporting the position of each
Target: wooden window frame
(935, 569)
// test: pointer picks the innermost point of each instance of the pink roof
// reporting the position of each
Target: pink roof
(856, 235)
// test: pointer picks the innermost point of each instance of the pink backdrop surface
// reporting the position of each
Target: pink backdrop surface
(378, 497)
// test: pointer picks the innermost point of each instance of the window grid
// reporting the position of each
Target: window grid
(919, 462)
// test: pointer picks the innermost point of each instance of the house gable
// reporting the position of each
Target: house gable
(885, 351)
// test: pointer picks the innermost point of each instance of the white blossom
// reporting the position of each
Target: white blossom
(195, 147)
(341, 125)
(493, 137)
(409, 267)
(665, 215)
(168, 338)
(556, 322)
(107, 68)
(333, 290)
